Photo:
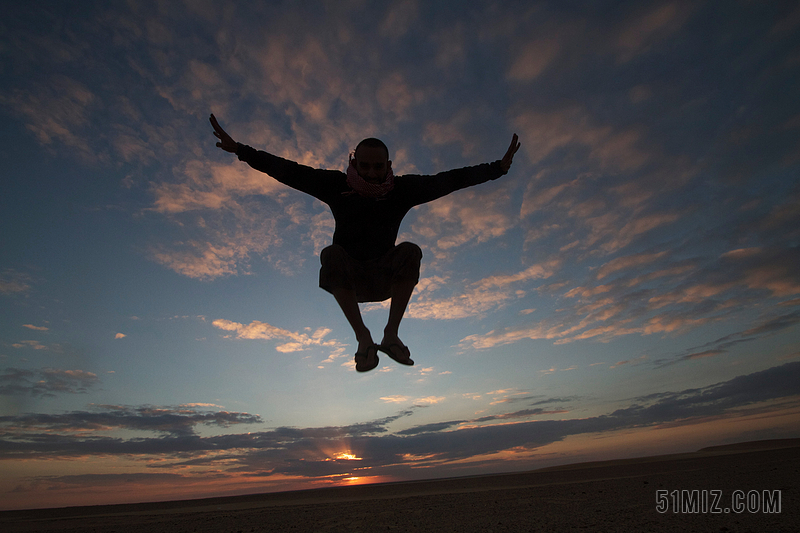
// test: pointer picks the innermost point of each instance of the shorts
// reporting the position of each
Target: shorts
(371, 279)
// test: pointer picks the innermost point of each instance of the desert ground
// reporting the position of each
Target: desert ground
(757, 485)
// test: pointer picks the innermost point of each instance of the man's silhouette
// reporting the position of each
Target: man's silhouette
(368, 203)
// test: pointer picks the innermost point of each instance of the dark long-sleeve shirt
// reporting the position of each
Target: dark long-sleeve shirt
(366, 227)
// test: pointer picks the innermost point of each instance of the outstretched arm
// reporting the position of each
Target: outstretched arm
(427, 188)
(505, 163)
(318, 183)
(225, 140)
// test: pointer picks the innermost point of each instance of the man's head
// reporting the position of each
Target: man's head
(372, 160)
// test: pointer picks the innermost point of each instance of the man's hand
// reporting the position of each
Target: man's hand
(226, 142)
(505, 163)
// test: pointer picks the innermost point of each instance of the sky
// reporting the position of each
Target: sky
(630, 288)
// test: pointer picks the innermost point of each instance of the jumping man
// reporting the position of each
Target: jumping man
(368, 203)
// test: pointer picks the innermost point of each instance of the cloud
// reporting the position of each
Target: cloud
(782, 218)
(627, 262)
(610, 147)
(394, 399)
(429, 400)
(46, 383)
(525, 413)
(57, 113)
(257, 330)
(713, 400)
(769, 270)
(631, 229)
(120, 336)
(212, 186)
(34, 345)
(471, 215)
(453, 130)
(773, 270)
(767, 326)
(400, 17)
(396, 95)
(35, 328)
(13, 282)
(493, 338)
(474, 302)
(648, 26)
(201, 260)
(629, 362)
(180, 421)
(576, 328)
(419, 402)
(533, 59)
(537, 271)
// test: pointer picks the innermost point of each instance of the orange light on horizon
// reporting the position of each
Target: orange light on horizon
(365, 480)
(338, 450)
(346, 456)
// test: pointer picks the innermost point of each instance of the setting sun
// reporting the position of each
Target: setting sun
(343, 456)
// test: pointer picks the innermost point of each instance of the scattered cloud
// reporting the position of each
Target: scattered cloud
(533, 59)
(14, 282)
(47, 382)
(533, 272)
(628, 262)
(554, 369)
(176, 422)
(200, 260)
(257, 330)
(34, 345)
(768, 326)
(546, 132)
(629, 362)
(648, 26)
(210, 186)
(429, 400)
(57, 112)
(394, 399)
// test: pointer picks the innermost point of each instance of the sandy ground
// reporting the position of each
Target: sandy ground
(604, 496)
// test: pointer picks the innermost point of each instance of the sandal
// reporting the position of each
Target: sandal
(365, 362)
(398, 352)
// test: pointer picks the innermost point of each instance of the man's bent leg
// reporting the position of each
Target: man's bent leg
(346, 298)
(407, 276)
(391, 343)
(401, 295)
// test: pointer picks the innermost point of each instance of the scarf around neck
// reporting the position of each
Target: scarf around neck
(365, 188)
